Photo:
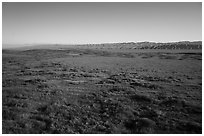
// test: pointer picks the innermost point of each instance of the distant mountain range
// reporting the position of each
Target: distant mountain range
(125, 45)
(148, 45)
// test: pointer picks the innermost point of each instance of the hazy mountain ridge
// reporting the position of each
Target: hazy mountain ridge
(149, 45)
(124, 45)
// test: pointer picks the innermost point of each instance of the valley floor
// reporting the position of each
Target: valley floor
(101, 91)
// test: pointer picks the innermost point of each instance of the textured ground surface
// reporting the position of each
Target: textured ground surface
(93, 91)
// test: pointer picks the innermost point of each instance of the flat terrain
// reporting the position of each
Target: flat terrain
(102, 91)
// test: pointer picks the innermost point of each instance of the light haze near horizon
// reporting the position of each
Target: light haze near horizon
(82, 23)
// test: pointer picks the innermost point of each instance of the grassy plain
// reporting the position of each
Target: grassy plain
(101, 91)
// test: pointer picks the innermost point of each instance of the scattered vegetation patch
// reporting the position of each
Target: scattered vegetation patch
(55, 92)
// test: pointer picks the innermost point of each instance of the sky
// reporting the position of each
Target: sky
(81, 23)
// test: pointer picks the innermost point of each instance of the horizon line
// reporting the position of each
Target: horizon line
(100, 43)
